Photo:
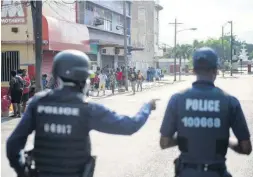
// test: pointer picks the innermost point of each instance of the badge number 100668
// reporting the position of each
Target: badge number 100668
(201, 122)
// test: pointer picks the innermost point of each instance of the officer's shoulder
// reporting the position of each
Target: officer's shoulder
(38, 96)
(43, 93)
(232, 99)
(183, 91)
(175, 97)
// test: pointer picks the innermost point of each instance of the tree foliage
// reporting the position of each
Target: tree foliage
(223, 51)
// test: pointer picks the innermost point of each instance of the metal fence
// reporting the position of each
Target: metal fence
(10, 61)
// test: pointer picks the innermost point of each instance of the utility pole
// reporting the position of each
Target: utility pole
(175, 48)
(125, 44)
(231, 60)
(180, 61)
(36, 7)
(223, 51)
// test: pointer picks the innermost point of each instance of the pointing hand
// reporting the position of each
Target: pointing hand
(153, 103)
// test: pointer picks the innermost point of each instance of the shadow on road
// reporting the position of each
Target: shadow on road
(229, 77)
(6, 119)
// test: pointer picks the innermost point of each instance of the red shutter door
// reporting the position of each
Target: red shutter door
(47, 63)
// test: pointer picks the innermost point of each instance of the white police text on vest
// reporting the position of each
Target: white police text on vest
(202, 105)
(55, 110)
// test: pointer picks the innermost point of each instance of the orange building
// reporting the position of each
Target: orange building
(18, 38)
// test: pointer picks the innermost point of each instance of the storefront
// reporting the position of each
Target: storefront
(60, 35)
(17, 46)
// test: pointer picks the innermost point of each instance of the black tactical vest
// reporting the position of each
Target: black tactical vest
(203, 131)
(62, 142)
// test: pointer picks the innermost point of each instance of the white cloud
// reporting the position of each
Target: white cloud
(208, 16)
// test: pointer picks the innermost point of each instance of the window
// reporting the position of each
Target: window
(128, 10)
(120, 20)
(107, 20)
(119, 23)
(89, 14)
(10, 61)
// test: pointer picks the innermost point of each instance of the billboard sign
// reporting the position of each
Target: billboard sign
(13, 12)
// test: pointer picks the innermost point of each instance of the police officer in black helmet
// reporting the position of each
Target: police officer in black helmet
(198, 119)
(62, 120)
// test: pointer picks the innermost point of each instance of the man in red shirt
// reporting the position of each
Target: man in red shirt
(27, 85)
(119, 77)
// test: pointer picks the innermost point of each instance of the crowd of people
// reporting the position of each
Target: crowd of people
(109, 79)
(21, 89)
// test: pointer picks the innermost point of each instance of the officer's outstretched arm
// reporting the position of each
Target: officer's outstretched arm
(240, 129)
(107, 121)
(16, 142)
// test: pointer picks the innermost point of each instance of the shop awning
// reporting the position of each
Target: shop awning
(61, 35)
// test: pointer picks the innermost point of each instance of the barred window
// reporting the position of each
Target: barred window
(10, 61)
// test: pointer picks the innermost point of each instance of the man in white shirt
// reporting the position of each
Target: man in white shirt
(102, 81)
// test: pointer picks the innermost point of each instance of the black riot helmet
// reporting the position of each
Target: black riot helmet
(205, 58)
(71, 66)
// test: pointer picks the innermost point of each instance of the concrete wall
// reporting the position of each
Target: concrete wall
(26, 54)
(142, 33)
(60, 10)
(25, 30)
(100, 35)
(22, 40)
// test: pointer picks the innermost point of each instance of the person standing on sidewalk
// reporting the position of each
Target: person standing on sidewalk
(44, 81)
(140, 79)
(53, 83)
(112, 80)
(27, 85)
(15, 91)
(132, 77)
(102, 81)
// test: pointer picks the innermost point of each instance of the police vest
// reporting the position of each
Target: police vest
(62, 142)
(203, 125)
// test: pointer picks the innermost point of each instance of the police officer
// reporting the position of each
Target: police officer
(62, 120)
(198, 120)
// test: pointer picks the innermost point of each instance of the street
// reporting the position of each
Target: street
(140, 155)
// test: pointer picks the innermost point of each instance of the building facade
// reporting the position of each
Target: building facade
(58, 33)
(145, 33)
(105, 21)
(17, 45)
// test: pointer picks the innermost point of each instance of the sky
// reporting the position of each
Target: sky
(207, 16)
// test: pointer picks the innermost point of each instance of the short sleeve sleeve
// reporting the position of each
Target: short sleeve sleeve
(169, 123)
(238, 121)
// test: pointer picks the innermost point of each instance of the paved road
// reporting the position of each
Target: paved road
(140, 155)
